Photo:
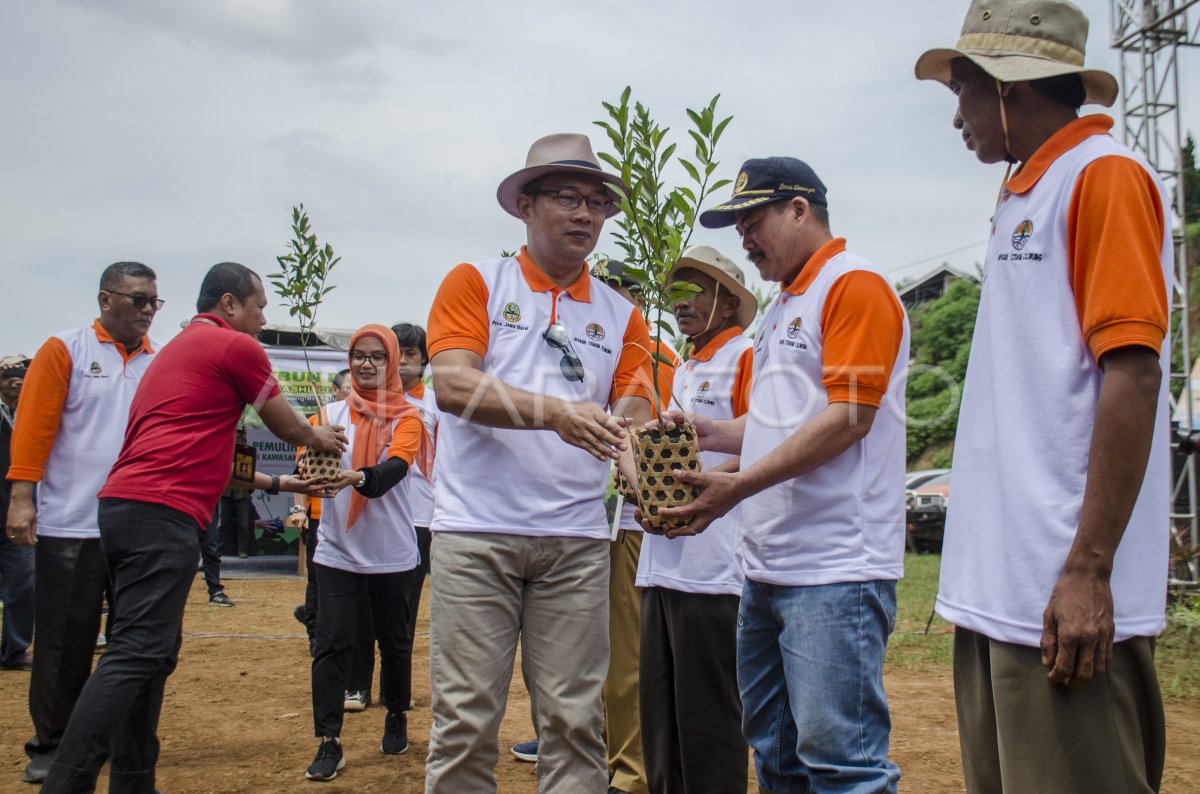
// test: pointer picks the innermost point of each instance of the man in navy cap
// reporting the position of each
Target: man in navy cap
(821, 536)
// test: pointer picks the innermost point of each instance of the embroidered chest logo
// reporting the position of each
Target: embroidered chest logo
(1021, 234)
(95, 370)
(702, 394)
(512, 312)
(703, 390)
(595, 332)
(793, 329)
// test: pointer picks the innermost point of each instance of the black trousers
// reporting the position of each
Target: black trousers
(310, 587)
(362, 664)
(690, 707)
(70, 578)
(338, 596)
(151, 554)
(210, 555)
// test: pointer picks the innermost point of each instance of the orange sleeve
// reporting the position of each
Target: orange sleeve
(741, 382)
(632, 378)
(862, 324)
(406, 438)
(39, 411)
(1115, 229)
(458, 318)
(666, 374)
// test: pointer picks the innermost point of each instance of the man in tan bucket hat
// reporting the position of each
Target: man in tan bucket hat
(522, 345)
(1055, 557)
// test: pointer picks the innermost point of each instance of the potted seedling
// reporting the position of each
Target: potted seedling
(301, 283)
(654, 230)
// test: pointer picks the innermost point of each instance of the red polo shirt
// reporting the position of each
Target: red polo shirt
(178, 448)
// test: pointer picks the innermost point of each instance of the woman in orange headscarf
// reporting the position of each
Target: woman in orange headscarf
(367, 546)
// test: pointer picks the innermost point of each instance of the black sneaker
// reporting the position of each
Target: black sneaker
(395, 734)
(38, 768)
(329, 761)
(220, 600)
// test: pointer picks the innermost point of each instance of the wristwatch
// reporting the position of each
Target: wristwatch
(296, 509)
(274, 489)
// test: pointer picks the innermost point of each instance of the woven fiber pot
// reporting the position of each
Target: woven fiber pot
(314, 463)
(657, 453)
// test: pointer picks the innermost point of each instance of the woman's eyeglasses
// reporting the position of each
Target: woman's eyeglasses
(570, 366)
(377, 359)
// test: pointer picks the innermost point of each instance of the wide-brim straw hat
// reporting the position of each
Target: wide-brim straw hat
(1018, 40)
(563, 152)
(713, 263)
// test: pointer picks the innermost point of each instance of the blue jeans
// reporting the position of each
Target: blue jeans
(810, 671)
(16, 590)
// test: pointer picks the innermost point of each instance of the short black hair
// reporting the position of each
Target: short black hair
(1066, 89)
(409, 335)
(226, 277)
(112, 275)
(339, 380)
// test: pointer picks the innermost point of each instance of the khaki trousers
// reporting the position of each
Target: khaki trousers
(487, 592)
(1021, 734)
(622, 724)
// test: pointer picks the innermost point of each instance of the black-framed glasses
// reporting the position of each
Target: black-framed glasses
(377, 359)
(570, 199)
(139, 300)
(570, 366)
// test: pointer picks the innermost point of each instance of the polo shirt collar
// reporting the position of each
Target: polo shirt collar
(581, 290)
(716, 343)
(1058, 144)
(418, 391)
(212, 318)
(102, 335)
(813, 266)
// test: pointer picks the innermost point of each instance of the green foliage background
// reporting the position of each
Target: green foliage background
(941, 344)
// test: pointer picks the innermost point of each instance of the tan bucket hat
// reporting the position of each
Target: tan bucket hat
(563, 152)
(713, 263)
(1017, 40)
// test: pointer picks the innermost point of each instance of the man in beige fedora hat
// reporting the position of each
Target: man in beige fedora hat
(690, 587)
(818, 487)
(520, 346)
(1055, 558)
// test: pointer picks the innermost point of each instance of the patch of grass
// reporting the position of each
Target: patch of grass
(1177, 656)
(910, 647)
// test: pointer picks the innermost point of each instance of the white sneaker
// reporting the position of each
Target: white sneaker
(356, 701)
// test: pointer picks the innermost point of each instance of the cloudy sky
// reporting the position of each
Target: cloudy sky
(181, 133)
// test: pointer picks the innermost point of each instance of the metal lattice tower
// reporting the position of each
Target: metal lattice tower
(1149, 34)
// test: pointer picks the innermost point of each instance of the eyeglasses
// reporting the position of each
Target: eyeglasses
(570, 199)
(138, 299)
(570, 366)
(377, 359)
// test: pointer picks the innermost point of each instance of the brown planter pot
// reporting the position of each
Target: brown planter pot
(657, 453)
(314, 463)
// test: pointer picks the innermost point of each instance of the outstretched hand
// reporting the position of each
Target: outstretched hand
(591, 428)
(718, 494)
(329, 438)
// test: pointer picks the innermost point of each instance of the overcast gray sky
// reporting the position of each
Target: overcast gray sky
(181, 133)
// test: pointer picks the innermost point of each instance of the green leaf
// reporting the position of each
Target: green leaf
(691, 169)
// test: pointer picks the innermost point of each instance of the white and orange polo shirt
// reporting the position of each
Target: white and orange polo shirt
(714, 382)
(71, 424)
(528, 481)
(420, 484)
(382, 540)
(837, 334)
(1080, 262)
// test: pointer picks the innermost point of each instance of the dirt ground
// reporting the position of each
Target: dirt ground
(237, 714)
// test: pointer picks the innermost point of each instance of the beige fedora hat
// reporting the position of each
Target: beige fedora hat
(1017, 40)
(713, 263)
(563, 152)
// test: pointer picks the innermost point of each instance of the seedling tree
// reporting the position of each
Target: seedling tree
(657, 220)
(301, 281)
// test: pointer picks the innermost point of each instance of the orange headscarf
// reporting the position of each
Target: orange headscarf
(374, 410)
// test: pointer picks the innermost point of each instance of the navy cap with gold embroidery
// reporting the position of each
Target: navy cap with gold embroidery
(762, 181)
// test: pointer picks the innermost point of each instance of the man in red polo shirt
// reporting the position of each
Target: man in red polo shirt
(175, 462)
